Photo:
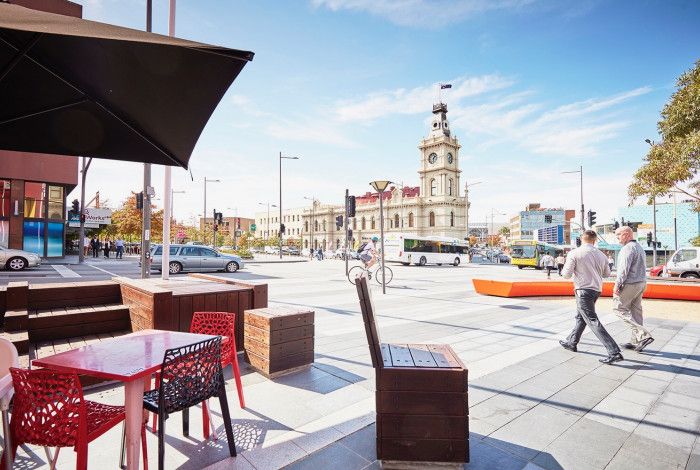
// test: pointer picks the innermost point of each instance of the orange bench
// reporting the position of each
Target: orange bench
(654, 290)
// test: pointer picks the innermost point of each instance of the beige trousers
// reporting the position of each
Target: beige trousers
(628, 306)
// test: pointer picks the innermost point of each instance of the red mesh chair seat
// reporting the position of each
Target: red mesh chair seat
(50, 411)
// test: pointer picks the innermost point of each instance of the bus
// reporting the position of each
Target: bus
(411, 249)
(526, 253)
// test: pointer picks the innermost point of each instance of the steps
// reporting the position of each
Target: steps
(69, 322)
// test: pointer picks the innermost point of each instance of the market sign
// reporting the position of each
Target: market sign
(94, 217)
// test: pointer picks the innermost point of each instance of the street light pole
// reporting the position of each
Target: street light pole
(313, 218)
(651, 144)
(380, 186)
(204, 228)
(466, 205)
(280, 230)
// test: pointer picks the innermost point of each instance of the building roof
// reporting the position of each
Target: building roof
(372, 197)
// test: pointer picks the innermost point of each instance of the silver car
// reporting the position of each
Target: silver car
(17, 260)
(195, 258)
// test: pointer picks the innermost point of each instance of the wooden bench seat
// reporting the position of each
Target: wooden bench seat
(421, 397)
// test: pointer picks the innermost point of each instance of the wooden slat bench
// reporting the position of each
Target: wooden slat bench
(422, 409)
(278, 340)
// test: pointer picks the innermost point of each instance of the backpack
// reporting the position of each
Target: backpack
(362, 247)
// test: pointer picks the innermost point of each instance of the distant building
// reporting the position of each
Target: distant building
(228, 224)
(525, 224)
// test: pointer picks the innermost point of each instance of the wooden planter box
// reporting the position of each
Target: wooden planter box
(278, 340)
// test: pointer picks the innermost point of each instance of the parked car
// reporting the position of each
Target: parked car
(685, 262)
(656, 270)
(17, 260)
(272, 250)
(293, 251)
(195, 258)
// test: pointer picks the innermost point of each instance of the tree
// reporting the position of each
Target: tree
(127, 221)
(695, 241)
(505, 231)
(674, 163)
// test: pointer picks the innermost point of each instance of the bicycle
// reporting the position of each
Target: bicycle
(375, 271)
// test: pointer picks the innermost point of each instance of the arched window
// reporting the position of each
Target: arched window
(452, 218)
(316, 225)
(371, 224)
(449, 187)
(396, 220)
(410, 219)
(324, 225)
(337, 243)
(306, 243)
(364, 223)
(433, 187)
(431, 219)
(306, 226)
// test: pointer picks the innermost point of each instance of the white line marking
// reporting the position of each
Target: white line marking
(64, 271)
(103, 270)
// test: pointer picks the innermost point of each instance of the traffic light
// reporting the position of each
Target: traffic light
(578, 241)
(282, 228)
(649, 238)
(139, 200)
(658, 244)
(351, 206)
(75, 206)
(349, 234)
(616, 225)
(339, 222)
(591, 218)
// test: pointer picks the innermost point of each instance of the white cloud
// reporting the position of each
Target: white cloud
(421, 13)
(310, 130)
(415, 100)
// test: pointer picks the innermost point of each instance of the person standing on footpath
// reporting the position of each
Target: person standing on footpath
(95, 245)
(120, 248)
(561, 260)
(547, 262)
(588, 266)
(629, 286)
(106, 247)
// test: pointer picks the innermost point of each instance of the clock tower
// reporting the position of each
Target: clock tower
(439, 169)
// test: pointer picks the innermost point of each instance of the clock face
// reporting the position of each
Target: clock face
(432, 158)
(450, 158)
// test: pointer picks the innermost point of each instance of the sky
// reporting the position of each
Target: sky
(539, 87)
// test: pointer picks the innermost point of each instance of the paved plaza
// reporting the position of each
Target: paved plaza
(532, 403)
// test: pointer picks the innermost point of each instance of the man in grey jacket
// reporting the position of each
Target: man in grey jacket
(588, 266)
(629, 287)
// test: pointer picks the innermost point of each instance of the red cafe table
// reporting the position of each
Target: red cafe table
(130, 359)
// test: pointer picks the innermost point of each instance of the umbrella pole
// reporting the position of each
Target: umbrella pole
(167, 191)
(146, 232)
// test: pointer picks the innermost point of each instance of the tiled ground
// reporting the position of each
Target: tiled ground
(533, 404)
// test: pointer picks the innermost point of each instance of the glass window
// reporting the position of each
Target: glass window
(54, 239)
(449, 187)
(433, 187)
(4, 198)
(371, 224)
(364, 223)
(4, 233)
(685, 255)
(525, 251)
(34, 200)
(33, 237)
(189, 251)
(410, 219)
(452, 218)
(396, 220)
(207, 252)
(56, 202)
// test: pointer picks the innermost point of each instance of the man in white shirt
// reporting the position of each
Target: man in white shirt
(561, 260)
(368, 255)
(547, 262)
(588, 266)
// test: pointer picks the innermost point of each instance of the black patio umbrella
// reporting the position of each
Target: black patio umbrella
(69, 86)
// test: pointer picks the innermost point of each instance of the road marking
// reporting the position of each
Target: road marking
(103, 270)
(64, 271)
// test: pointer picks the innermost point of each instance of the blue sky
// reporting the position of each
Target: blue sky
(539, 87)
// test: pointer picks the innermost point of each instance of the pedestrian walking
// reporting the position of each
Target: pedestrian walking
(311, 253)
(561, 259)
(106, 247)
(629, 287)
(547, 262)
(119, 244)
(611, 261)
(86, 246)
(588, 266)
(95, 245)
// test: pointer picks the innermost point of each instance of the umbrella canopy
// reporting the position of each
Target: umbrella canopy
(69, 86)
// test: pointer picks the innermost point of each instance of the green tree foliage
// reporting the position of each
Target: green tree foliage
(505, 231)
(674, 163)
(695, 241)
(127, 221)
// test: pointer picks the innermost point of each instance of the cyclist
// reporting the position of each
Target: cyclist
(368, 255)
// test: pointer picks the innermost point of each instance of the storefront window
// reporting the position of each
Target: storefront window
(54, 239)
(4, 199)
(34, 200)
(33, 237)
(4, 233)
(56, 202)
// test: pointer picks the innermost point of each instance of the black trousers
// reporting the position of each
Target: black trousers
(586, 316)
(560, 267)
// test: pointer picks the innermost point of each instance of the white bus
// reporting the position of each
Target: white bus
(411, 249)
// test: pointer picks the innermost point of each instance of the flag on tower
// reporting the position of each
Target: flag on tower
(445, 85)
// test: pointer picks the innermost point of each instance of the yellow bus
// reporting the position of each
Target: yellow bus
(527, 253)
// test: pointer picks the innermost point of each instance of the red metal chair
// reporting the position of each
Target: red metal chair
(49, 410)
(219, 324)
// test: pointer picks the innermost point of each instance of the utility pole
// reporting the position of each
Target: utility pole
(83, 177)
(347, 235)
(146, 231)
